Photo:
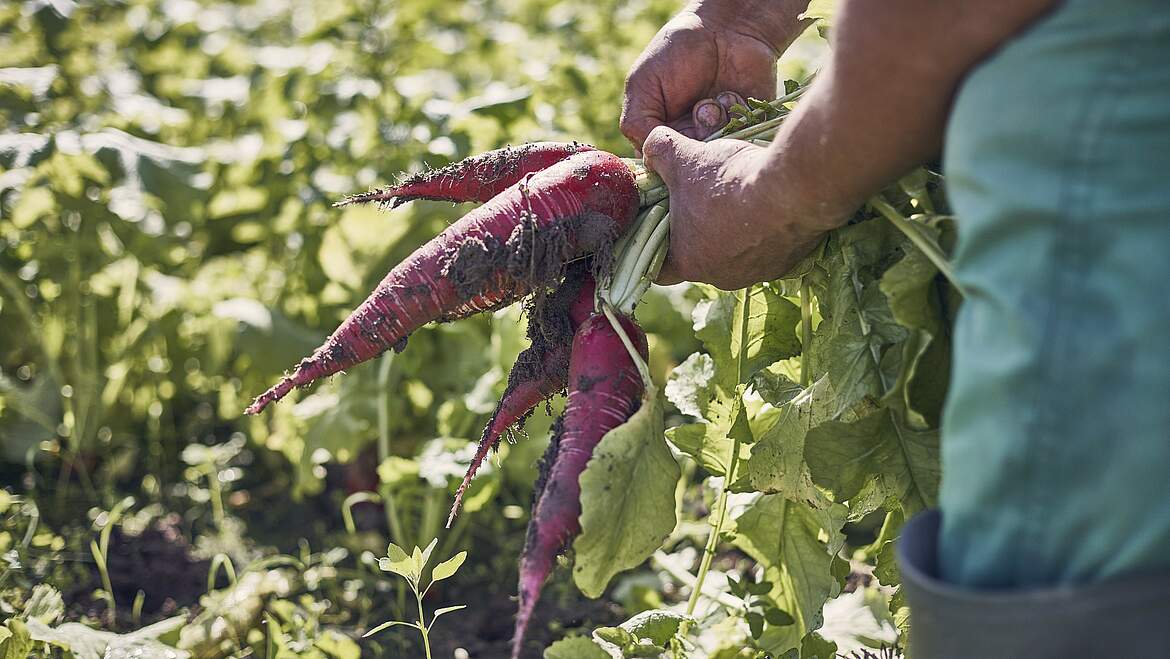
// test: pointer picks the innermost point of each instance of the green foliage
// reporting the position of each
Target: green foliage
(410, 567)
(168, 248)
(576, 647)
(627, 499)
(867, 340)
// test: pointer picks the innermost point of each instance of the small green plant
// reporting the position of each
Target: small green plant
(410, 567)
(100, 549)
(757, 608)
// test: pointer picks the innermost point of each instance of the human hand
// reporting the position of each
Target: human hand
(731, 222)
(711, 48)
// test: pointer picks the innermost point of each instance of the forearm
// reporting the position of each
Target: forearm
(775, 22)
(880, 106)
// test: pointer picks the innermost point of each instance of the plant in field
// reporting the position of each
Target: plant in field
(410, 567)
(810, 391)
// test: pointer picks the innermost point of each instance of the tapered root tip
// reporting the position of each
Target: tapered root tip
(486, 442)
(522, 619)
(271, 396)
(383, 196)
(458, 500)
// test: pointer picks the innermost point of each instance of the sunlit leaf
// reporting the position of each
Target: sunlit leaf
(627, 499)
(448, 567)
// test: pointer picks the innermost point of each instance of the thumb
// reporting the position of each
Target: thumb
(667, 153)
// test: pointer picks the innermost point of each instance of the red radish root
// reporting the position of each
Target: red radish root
(478, 178)
(541, 370)
(517, 242)
(605, 389)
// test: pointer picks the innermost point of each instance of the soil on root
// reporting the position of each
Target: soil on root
(486, 170)
(532, 260)
(550, 334)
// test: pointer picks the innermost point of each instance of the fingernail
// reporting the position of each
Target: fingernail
(728, 99)
(709, 114)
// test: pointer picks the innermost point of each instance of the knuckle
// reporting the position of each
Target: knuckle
(657, 143)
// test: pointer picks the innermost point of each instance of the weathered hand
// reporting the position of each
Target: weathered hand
(729, 224)
(689, 63)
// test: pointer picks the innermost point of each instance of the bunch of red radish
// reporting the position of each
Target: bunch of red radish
(546, 233)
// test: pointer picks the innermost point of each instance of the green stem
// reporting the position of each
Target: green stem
(422, 626)
(805, 332)
(393, 523)
(350, 502)
(218, 561)
(752, 131)
(728, 478)
(629, 278)
(931, 250)
(661, 561)
(213, 485)
(628, 250)
(639, 363)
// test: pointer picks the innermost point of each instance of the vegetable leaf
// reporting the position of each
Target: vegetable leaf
(785, 538)
(627, 498)
(448, 567)
(576, 647)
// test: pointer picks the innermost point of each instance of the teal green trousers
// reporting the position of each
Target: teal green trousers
(1056, 434)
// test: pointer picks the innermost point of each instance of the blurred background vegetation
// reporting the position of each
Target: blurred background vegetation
(168, 248)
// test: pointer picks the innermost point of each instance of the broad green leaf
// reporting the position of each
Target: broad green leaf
(396, 553)
(774, 385)
(813, 646)
(655, 625)
(844, 456)
(401, 563)
(577, 647)
(704, 442)
(869, 358)
(857, 327)
(689, 382)
(627, 499)
(777, 462)
(421, 559)
(784, 537)
(448, 567)
(771, 330)
(15, 640)
(921, 300)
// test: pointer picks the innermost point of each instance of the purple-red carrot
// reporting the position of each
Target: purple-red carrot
(478, 178)
(605, 389)
(540, 371)
(516, 242)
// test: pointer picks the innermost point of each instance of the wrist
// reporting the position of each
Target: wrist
(811, 206)
(777, 23)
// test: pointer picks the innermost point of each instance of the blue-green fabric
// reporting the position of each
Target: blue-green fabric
(1056, 434)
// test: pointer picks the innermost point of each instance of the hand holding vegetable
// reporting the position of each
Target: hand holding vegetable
(731, 225)
(711, 47)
